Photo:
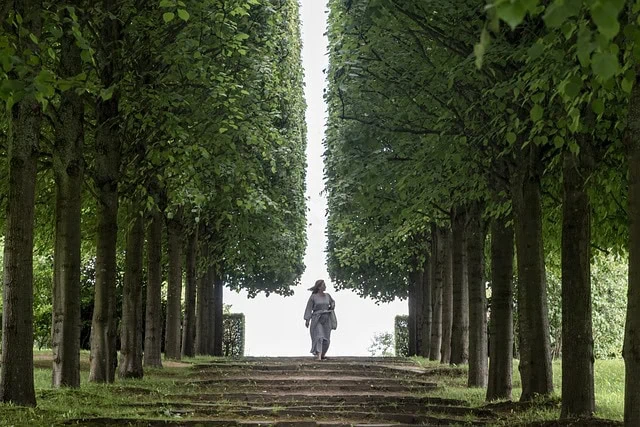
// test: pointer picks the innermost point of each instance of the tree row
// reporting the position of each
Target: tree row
(465, 155)
(131, 126)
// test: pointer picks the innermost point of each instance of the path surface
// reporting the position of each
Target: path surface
(300, 392)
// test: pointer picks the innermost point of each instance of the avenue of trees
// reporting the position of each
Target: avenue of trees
(142, 143)
(483, 159)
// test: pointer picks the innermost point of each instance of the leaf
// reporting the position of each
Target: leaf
(535, 51)
(561, 10)
(605, 16)
(183, 14)
(536, 113)
(575, 123)
(538, 97)
(86, 56)
(597, 106)
(511, 12)
(605, 65)
(65, 84)
(167, 3)
(558, 141)
(511, 137)
(168, 16)
(480, 48)
(107, 93)
(573, 87)
(584, 46)
(11, 86)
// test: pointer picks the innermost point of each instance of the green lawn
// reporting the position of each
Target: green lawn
(609, 388)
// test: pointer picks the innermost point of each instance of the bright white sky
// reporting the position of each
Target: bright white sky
(274, 325)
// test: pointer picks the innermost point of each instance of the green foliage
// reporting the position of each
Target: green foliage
(416, 129)
(609, 300)
(233, 340)
(211, 118)
(392, 151)
(401, 336)
(382, 344)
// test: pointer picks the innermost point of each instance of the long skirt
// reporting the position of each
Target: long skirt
(320, 329)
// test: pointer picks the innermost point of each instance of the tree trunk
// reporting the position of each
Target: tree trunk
(68, 166)
(218, 315)
(153, 314)
(16, 376)
(631, 350)
(103, 333)
(417, 283)
(189, 327)
(577, 335)
(131, 332)
(447, 298)
(478, 360)
(411, 319)
(460, 322)
(426, 311)
(172, 340)
(202, 313)
(437, 270)
(501, 333)
(103, 358)
(211, 310)
(535, 346)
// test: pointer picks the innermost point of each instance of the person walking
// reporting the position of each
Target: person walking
(320, 319)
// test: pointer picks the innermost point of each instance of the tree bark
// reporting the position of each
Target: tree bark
(422, 343)
(218, 315)
(501, 331)
(68, 166)
(103, 333)
(411, 319)
(153, 313)
(437, 276)
(460, 323)
(211, 310)
(577, 335)
(535, 346)
(478, 360)
(447, 298)
(131, 332)
(16, 376)
(172, 340)
(202, 312)
(189, 327)
(424, 335)
(416, 279)
(631, 350)
(103, 358)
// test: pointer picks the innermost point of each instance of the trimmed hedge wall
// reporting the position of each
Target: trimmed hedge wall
(402, 335)
(233, 339)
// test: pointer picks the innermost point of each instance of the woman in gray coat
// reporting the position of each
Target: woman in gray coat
(317, 318)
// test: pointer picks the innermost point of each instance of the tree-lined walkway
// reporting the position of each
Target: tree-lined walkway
(303, 392)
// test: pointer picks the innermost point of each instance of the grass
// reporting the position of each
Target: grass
(116, 400)
(609, 390)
